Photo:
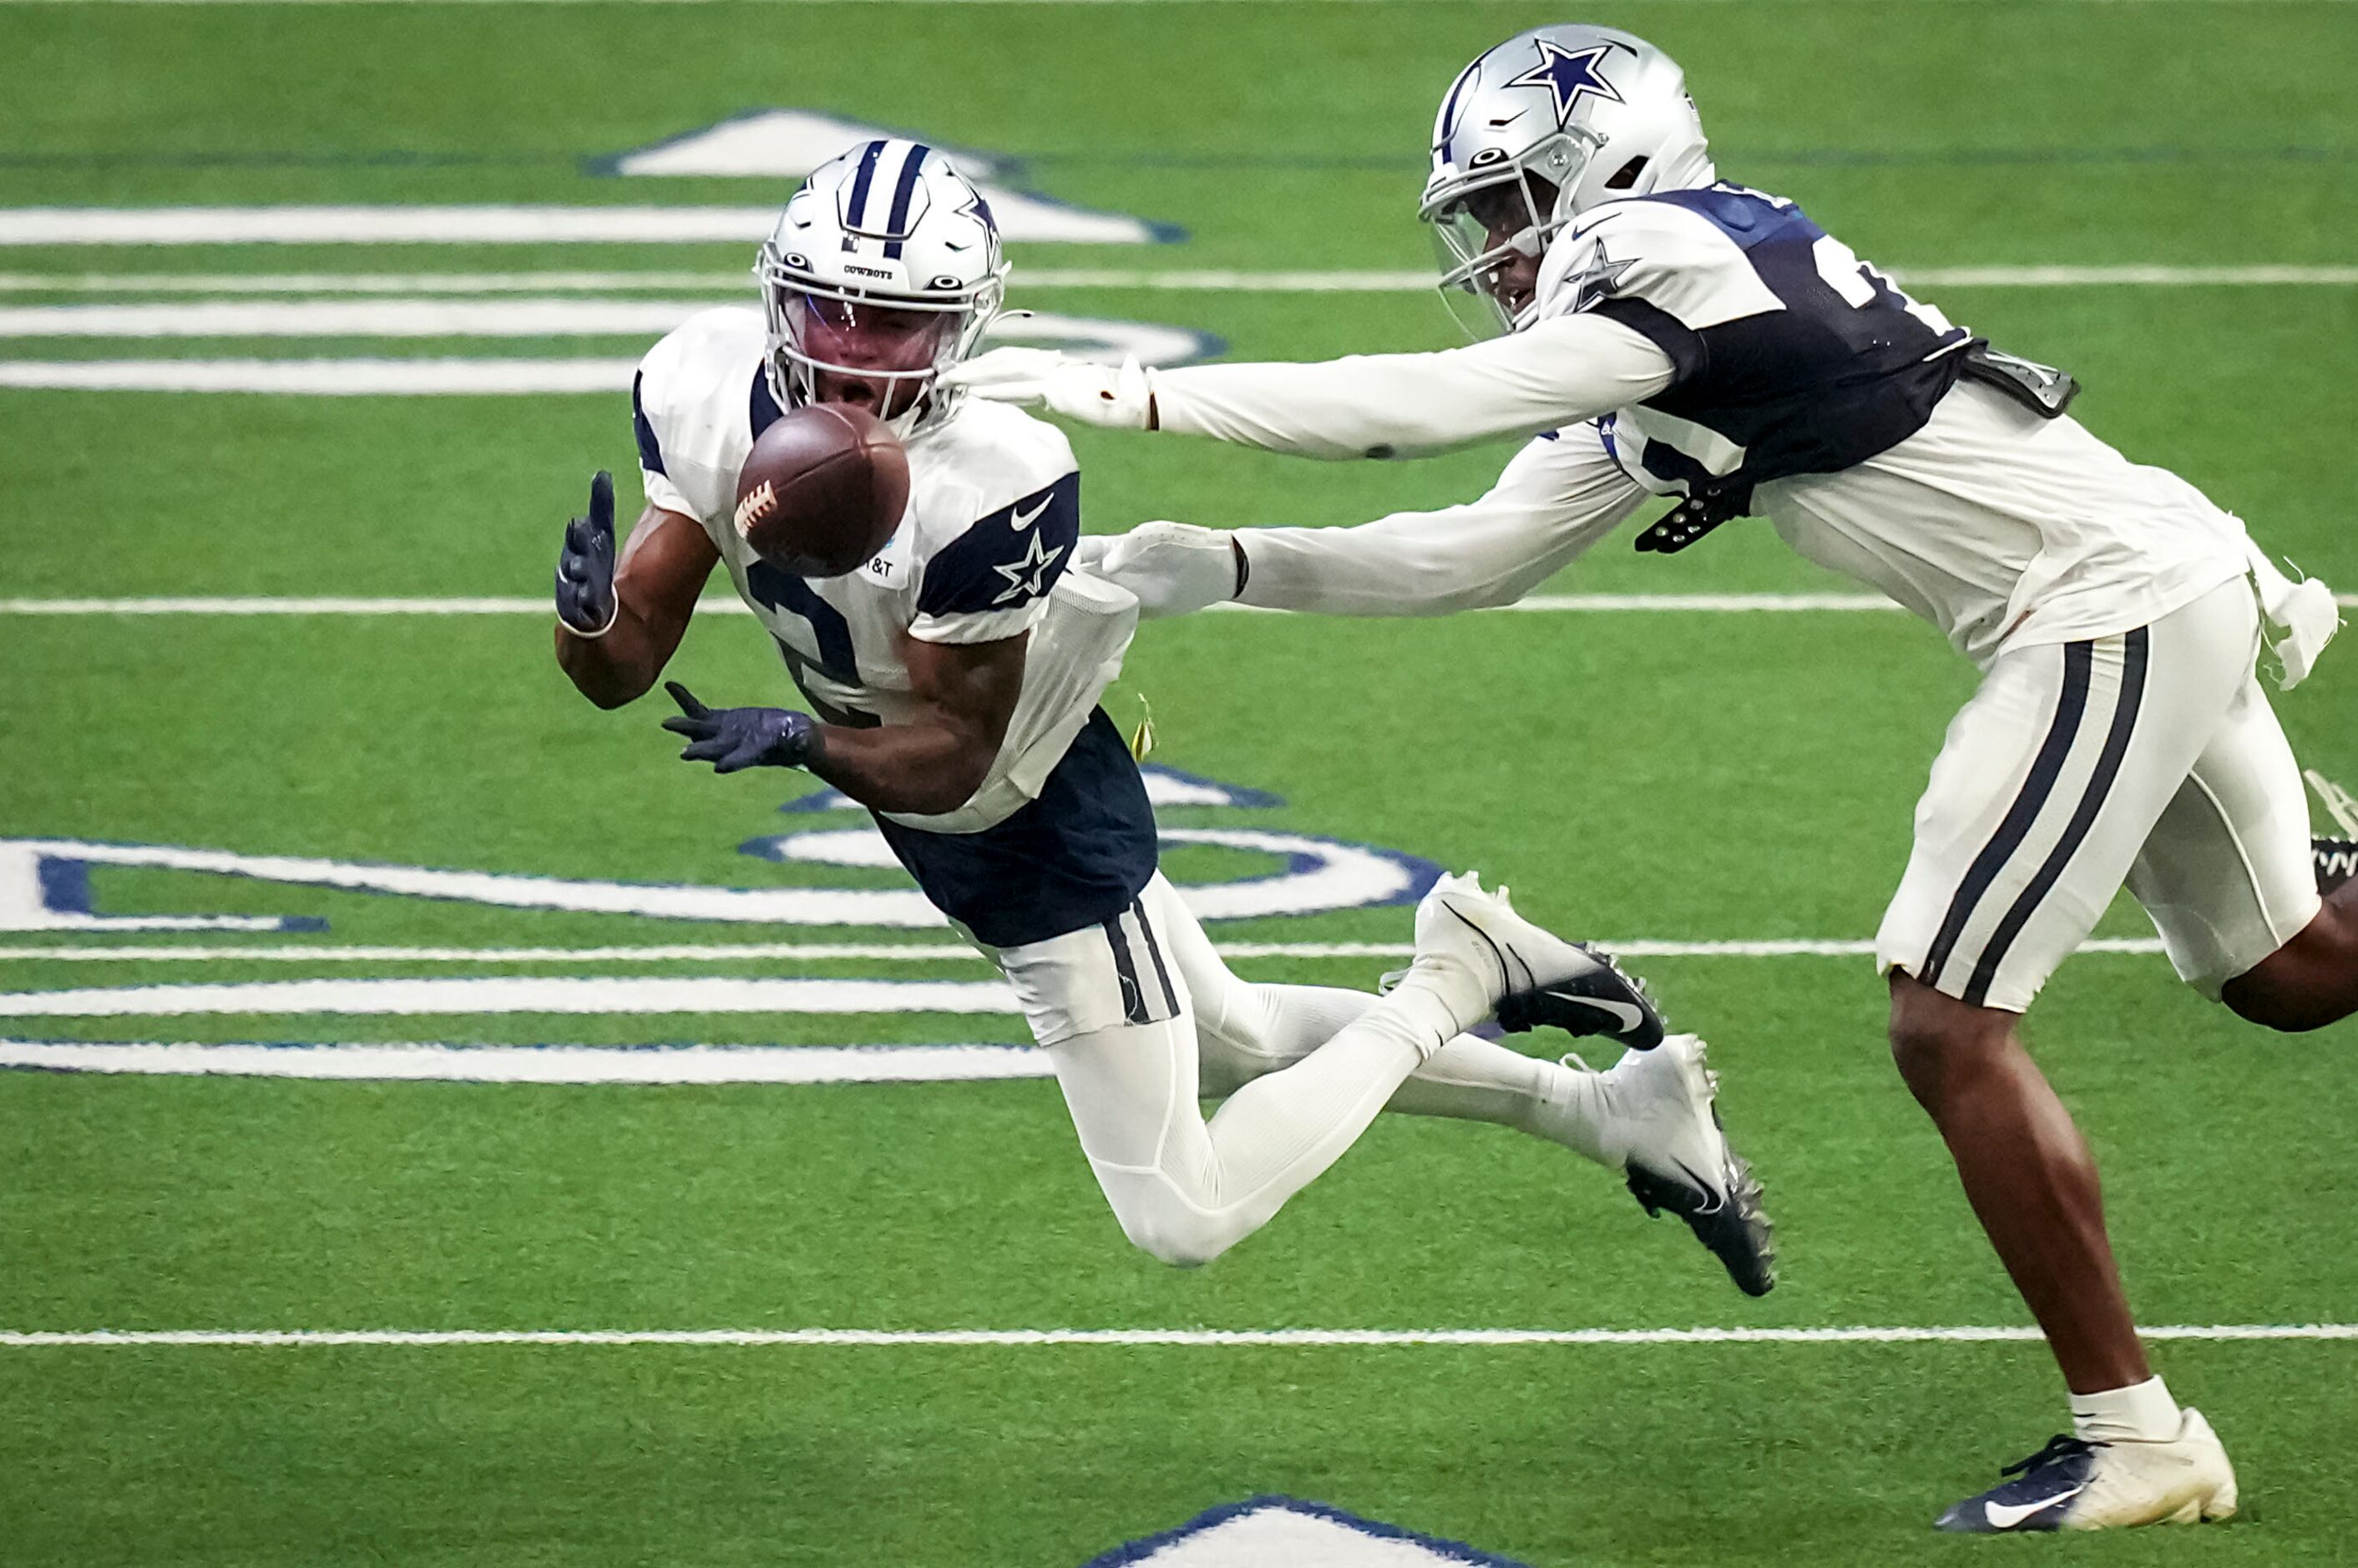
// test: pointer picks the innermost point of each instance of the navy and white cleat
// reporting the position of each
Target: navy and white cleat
(1664, 1122)
(2075, 1485)
(1534, 975)
(2337, 861)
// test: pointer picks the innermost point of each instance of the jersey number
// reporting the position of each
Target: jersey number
(789, 595)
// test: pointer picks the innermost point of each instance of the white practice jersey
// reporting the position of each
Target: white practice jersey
(980, 557)
(1718, 342)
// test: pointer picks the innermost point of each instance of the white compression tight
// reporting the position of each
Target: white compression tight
(1305, 1069)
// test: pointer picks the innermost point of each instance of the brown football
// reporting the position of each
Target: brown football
(822, 489)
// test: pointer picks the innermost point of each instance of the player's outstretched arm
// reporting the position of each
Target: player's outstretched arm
(1555, 373)
(616, 629)
(1557, 497)
(929, 764)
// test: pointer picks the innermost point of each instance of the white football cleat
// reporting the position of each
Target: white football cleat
(2076, 1485)
(1474, 942)
(1660, 1123)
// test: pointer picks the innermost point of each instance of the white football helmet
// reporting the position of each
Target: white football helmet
(884, 266)
(1594, 113)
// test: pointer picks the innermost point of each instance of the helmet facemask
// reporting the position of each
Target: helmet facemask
(898, 343)
(1483, 223)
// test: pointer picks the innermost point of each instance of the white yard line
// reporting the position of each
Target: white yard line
(1538, 603)
(476, 995)
(581, 1065)
(1168, 4)
(1021, 218)
(1229, 280)
(1484, 1338)
(512, 317)
(406, 377)
(899, 952)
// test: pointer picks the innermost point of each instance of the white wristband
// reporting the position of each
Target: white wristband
(612, 616)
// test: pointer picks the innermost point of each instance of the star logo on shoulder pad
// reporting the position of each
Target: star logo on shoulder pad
(1025, 577)
(1570, 74)
(1599, 280)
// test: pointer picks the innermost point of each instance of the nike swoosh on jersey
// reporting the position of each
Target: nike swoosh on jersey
(1022, 520)
(2005, 1516)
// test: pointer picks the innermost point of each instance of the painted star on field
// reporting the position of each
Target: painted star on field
(1569, 74)
(1025, 577)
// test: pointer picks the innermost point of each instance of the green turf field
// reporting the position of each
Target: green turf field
(1674, 778)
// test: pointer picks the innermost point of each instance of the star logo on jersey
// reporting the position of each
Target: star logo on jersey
(1599, 280)
(1025, 577)
(1570, 74)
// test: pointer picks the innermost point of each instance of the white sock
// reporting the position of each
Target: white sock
(2142, 1412)
(1428, 1009)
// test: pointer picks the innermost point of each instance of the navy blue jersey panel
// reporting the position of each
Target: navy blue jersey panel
(1682, 343)
(1008, 558)
(1073, 859)
(1820, 384)
(651, 456)
(1748, 217)
(761, 409)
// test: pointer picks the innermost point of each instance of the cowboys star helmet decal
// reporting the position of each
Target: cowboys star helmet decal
(1569, 74)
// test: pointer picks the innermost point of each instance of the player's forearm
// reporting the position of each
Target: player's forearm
(1368, 570)
(920, 769)
(1555, 500)
(619, 668)
(1555, 374)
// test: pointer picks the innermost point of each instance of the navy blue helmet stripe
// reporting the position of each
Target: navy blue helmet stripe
(1449, 109)
(856, 218)
(903, 191)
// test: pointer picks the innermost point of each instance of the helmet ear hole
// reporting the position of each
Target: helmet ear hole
(1626, 175)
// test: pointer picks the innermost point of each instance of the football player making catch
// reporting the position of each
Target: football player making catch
(952, 678)
(1662, 333)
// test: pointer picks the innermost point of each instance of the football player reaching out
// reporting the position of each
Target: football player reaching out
(1667, 333)
(952, 682)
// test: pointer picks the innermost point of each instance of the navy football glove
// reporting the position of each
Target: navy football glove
(584, 567)
(734, 738)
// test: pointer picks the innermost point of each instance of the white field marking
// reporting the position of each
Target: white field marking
(499, 318)
(353, 319)
(326, 378)
(1538, 603)
(1223, 1338)
(584, 1065)
(266, 283)
(711, 605)
(2132, 274)
(474, 995)
(1021, 218)
(2232, 3)
(905, 952)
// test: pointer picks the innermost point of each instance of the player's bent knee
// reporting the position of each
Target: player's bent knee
(1171, 1231)
(1182, 1240)
(1934, 1037)
(2309, 982)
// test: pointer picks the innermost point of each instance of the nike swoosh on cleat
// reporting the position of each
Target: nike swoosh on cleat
(2005, 1516)
(1630, 1017)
